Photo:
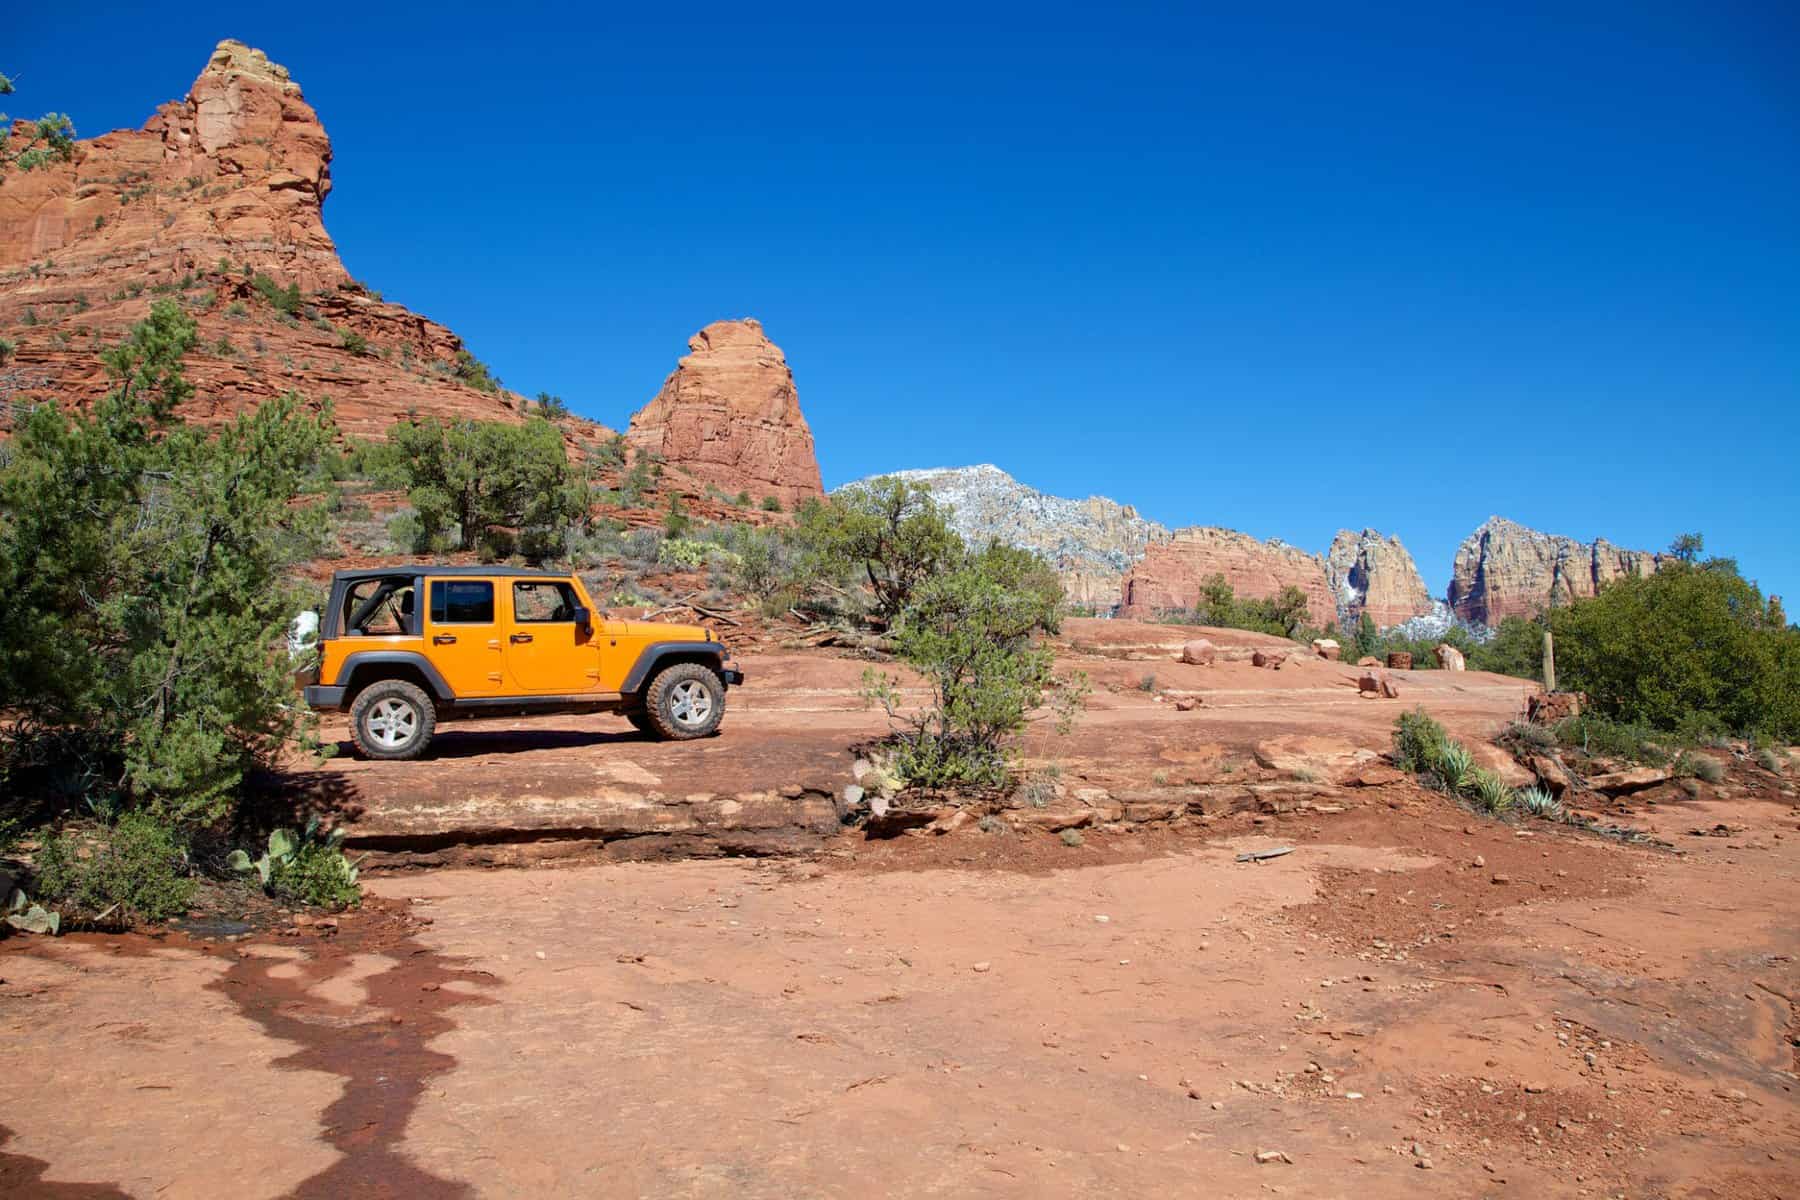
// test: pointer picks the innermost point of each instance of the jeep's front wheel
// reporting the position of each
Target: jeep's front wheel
(685, 701)
(392, 719)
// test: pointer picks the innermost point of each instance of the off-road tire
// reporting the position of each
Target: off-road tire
(684, 688)
(392, 719)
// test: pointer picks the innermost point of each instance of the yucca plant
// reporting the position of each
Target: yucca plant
(1491, 792)
(1540, 803)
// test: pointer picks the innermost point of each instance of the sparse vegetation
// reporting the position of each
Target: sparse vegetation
(50, 138)
(304, 868)
(284, 300)
(971, 632)
(134, 870)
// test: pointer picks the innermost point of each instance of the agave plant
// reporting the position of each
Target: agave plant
(1493, 793)
(1454, 766)
(1540, 803)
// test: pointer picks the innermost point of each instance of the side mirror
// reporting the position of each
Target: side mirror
(584, 619)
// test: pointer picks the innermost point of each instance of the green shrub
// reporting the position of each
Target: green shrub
(551, 408)
(285, 300)
(675, 519)
(1599, 737)
(1147, 684)
(1418, 741)
(406, 534)
(473, 372)
(892, 531)
(353, 341)
(1768, 760)
(1699, 766)
(771, 504)
(972, 634)
(1516, 648)
(1691, 640)
(146, 565)
(1285, 614)
(304, 869)
(136, 870)
(1530, 739)
(483, 479)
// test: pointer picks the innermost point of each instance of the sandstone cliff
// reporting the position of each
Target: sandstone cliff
(1371, 572)
(1092, 543)
(1506, 570)
(214, 191)
(1173, 570)
(729, 415)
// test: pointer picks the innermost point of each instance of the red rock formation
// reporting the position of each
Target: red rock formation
(213, 190)
(1506, 570)
(1372, 573)
(729, 416)
(1173, 570)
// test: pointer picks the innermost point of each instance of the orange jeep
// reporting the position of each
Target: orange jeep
(403, 648)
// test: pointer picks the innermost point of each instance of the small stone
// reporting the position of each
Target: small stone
(1101, 918)
(853, 795)
(1216, 1106)
(1502, 879)
(982, 968)
(1272, 1156)
(1537, 1087)
(1480, 861)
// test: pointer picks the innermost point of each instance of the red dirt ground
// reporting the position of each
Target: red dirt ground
(1415, 1001)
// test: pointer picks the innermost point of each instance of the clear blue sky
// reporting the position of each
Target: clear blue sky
(1396, 265)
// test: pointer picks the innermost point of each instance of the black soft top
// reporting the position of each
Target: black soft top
(362, 573)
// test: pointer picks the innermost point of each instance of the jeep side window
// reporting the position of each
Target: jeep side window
(462, 602)
(379, 607)
(542, 601)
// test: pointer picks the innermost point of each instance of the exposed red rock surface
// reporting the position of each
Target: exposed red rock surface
(730, 416)
(1506, 570)
(1173, 570)
(1372, 573)
(214, 190)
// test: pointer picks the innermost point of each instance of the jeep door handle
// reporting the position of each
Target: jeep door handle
(521, 637)
(444, 639)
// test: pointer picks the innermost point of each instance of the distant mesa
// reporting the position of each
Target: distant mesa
(1372, 573)
(1505, 570)
(1092, 543)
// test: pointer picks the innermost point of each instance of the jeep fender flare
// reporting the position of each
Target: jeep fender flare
(658, 653)
(380, 658)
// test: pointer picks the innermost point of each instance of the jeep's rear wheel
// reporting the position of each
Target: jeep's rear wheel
(392, 719)
(685, 701)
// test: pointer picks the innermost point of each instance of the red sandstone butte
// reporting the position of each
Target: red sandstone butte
(216, 189)
(729, 415)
